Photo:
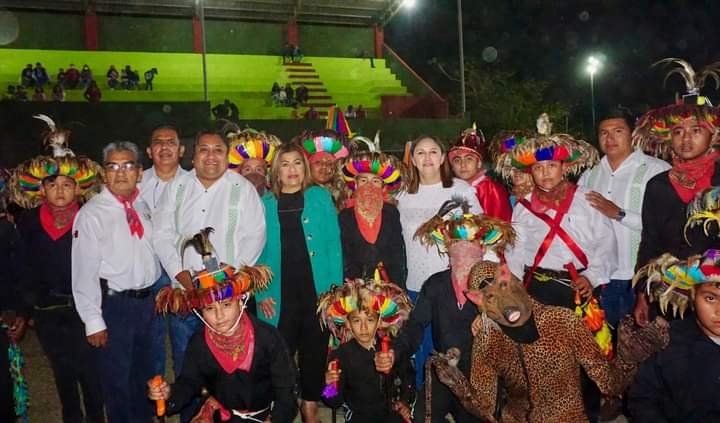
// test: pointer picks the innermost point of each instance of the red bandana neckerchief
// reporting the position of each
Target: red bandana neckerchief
(233, 352)
(542, 201)
(57, 221)
(693, 176)
(133, 219)
(463, 255)
(367, 203)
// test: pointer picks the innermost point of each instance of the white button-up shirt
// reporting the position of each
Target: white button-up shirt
(103, 248)
(589, 228)
(231, 206)
(626, 188)
(152, 187)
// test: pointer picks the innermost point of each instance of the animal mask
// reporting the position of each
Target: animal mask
(499, 294)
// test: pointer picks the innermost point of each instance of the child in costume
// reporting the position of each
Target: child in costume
(370, 223)
(686, 132)
(250, 153)
(533, 353)
(679, 384)
(52, 188)
(242, 362)
(362, 316)
(466, 159)
(465, 237)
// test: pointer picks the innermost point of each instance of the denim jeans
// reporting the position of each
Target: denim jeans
(426, 347)
(617, 299)
(124, 363)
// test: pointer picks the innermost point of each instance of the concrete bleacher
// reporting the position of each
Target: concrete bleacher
(244, 79)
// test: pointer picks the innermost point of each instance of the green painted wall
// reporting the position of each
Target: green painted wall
(127, 33)
(244, 37)
(54, 31)
(320, 40)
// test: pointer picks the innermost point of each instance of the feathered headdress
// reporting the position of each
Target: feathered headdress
(316, 143)
(671, 281)
(384, 298)
(337, 122)
(704, 210)
(217, 282)
(250, 144)
(450, 225)
(373, 161)
(27, 177)
(577, 154)
(652, 133)
(471, 140)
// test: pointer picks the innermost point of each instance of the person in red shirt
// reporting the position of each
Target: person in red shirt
(93, 93)
(466, 159)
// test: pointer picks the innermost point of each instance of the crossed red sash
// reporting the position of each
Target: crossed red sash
(555, 230)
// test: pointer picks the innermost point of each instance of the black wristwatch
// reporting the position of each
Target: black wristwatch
(621, 215)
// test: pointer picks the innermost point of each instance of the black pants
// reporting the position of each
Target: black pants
(300, 328)
(72, 359)
(443, 402)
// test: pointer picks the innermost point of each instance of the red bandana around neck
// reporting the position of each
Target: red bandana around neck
(133, 219)
(542, 201)
(367, 205)
(57, 221)
(693, 176)
(463, 255)
(235, 351)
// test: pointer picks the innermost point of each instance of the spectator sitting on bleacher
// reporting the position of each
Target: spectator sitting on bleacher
(350, 113)
(296, 55)
(149, 76)
(275, 89)
(20, 93)
(281, 99)
(301, 94)
(61, 77)
(72, 77)
(85, 76)
(26, 76)
(92, 93)
(232, 110)
(130, 79)
(223, 110)
(312, 114)
(360, 112)
(289, 100)
(9, 94)
(39, 94)
(113, 77)
(58, 93)
(40, 75)
(287, 52)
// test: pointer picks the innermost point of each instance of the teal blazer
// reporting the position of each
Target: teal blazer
(322, 237)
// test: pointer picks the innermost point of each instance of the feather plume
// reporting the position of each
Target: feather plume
(200, 242)
(694, 81)
(48, 120)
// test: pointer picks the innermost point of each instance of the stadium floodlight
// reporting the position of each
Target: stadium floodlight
(408, 4)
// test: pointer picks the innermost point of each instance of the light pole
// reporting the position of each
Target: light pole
(593, 64)
(462, 57)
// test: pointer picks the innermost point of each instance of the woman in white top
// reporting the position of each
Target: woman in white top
(430, 184)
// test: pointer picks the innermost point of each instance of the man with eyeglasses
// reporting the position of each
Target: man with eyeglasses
(165, 151)
(213, 196)
(113, 270)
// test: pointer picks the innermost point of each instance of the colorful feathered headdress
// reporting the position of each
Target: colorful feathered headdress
(653, 131)
(386, 299)
(671, 281)
(373, 161)
(325, 142)
(217, 282)
(27, 178)
(250, 144)
(471, 140)
(453, 222)
(577, 154)
(337, 122)
(704, 210)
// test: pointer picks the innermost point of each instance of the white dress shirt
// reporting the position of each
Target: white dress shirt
(152, 187)
(416, 209)
(589, 228)
(103, 248)
(231, 206)
(626, 188)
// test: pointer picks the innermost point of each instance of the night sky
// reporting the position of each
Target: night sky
(551, 40)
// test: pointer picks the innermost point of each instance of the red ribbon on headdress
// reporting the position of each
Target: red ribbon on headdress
(133, 218)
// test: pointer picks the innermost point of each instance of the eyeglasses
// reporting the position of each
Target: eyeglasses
(116, 167)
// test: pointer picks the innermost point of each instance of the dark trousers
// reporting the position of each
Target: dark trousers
(443, 401)
(7, 401)
(73, 361)
(125, 362)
